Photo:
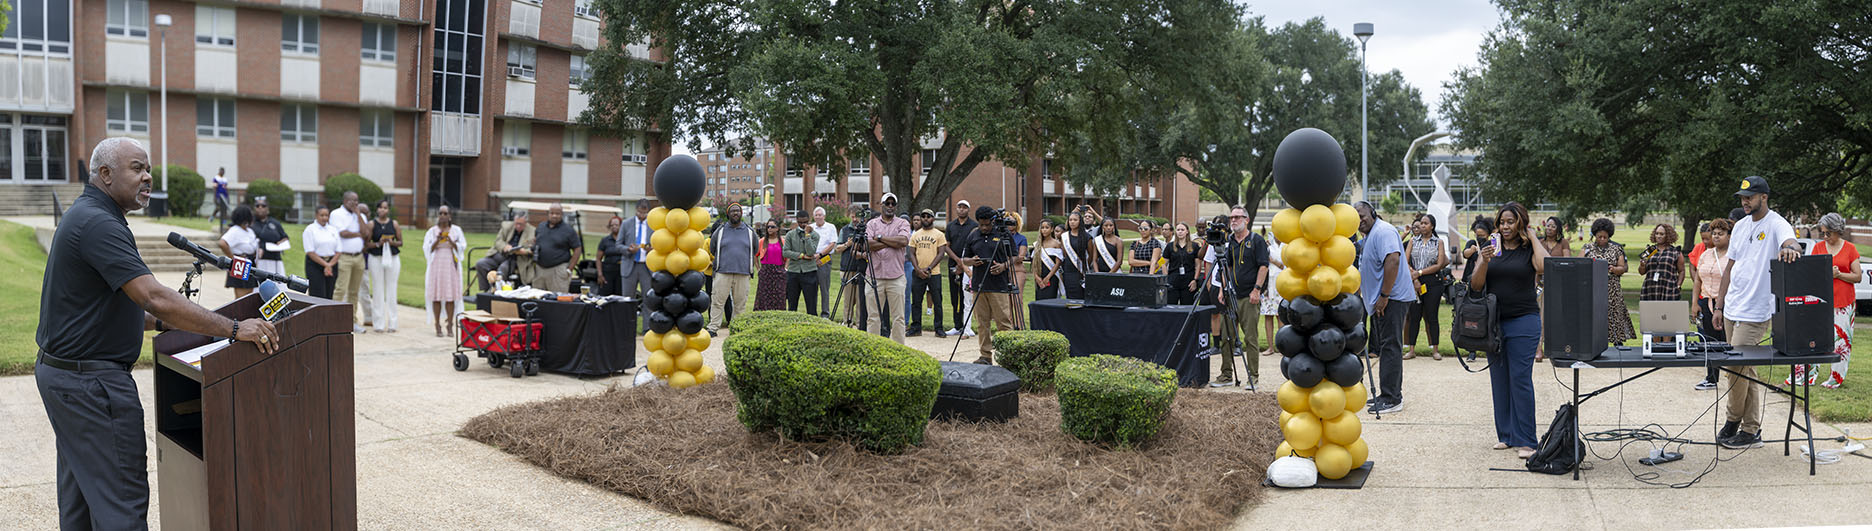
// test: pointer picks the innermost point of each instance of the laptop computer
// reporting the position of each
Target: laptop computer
(1664, 318)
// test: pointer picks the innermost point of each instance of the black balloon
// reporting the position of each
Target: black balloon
(1345, 371)
(699, 302)
(1289, 341)
(662, 281)
(1307, 313)
(1326, 343)
(676, 303)
(679, 181)
(690, 323)
(651, 301)
(1285, 313)
(659, 321)
(1309, 168)
(1284, 361)
(1346, 311)
(1305, 370)
(691, 282)
(1355, 339)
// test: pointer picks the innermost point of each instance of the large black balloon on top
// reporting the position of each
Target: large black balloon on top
(679, 181)
(1309, 168)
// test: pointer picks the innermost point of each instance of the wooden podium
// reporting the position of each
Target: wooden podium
(250, 441)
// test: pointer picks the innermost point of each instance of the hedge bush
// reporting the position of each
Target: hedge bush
(1113, 399)
(1031, 355)
(816, 382)
(760, 318)
(186, 190)
(1155, 221)
(280, 198)
(367, 192)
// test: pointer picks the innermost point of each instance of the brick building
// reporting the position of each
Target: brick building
(460, 102)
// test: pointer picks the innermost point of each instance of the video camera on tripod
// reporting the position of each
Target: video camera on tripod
(1002, 223)
(1216, 232)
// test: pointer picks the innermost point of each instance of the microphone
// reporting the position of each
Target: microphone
(202, 254)
(274, 307)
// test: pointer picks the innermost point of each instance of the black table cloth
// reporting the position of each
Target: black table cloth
(1149, 334)
(582, 339)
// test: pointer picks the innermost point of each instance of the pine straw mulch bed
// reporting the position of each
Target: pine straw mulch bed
(684, 451)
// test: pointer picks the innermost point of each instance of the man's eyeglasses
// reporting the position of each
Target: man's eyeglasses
(1237, 217)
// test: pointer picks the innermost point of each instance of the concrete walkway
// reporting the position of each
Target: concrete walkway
(1433, 459)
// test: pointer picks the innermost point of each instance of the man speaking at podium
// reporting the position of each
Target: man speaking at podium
(91, 320)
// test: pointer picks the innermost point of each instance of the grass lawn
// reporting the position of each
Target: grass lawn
(22, 269)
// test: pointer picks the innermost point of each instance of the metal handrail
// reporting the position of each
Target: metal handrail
(468, 269)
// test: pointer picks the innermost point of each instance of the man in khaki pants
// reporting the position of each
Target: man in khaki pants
(888, 236)
(991, 257)
(1746, 303)
(349, 224)
(732, 246)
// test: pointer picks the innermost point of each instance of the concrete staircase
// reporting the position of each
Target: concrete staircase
(162, 257)
(36, 199)
(152, 241)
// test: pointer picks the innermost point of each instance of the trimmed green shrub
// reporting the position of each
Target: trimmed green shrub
(1031, 355)
(753, 320)
(280, 197)
(1113, 399)
(816, 382)
(186, 190)
(1058, 221)
(367, 192)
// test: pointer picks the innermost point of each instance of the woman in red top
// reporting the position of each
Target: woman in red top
(1845, 274)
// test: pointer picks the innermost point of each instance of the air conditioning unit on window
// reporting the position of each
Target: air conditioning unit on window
(640, 159)
(513, 151)
(585, 11)
(513, 71)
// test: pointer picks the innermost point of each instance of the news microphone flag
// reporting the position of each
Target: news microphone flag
(240, 268)
(275, 299)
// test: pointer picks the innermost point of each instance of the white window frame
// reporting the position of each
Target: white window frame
(53, 37)
(522, 60)
(376, 128)
(379, 42)
(121, 110)
(301, 115)
(214, 26)
(634, 150)
(585, 8)
(575, 144)
(126, 18)
(298, 43)
(517, 139)
(220, 113)
(577, 71)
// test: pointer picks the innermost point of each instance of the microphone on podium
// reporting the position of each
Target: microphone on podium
(223, 263)
(274, 299)
(199, 252)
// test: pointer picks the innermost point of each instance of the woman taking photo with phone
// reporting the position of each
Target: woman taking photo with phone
(1508, 272)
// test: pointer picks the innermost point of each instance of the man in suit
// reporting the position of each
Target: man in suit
(512, 252)
(635, 237)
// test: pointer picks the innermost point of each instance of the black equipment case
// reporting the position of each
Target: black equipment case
(976, 392)
(1124, 290)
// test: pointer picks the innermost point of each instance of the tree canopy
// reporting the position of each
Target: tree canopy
(1648, 103)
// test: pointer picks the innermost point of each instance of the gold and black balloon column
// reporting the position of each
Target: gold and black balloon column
(672, 307)
(1322, 315)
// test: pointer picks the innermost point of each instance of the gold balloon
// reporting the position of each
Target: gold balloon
(1283, 418)
(1334, 461)
(1349, 281)
(699, 218)
(1301, 256)
(1302, 431)
(654, 260)
(1290, 284)
(1345, 219)
(690, 240)
(676, 263)
(704, 375)
(1317, 223)
(663, 240)
(1323, 284)
(699, 341)
(1337, 253)
(1292, 399)
(1287, 450)
(660, 364)
(700, 260)
(1343, 430)
(682, 380)
(675, 343)
(1327, 400)
(1287, 225)
(676, 220)
(1359, 452)
(655, 218)
(689, 361)
(652, 341)
(1355, 397)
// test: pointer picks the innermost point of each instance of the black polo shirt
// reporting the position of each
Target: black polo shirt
(957, 231)
(991, 249)
(269, 231)
(555, 244)
(84, 313)
(1246, 257)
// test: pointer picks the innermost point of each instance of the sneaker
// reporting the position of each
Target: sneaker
(711, 333)
(968, 333)
(1252, 380)
(1742, 440)
(953, 331)
(1388, 407)
(355, 329)
(914, 333)
(1728, 430)
(1705, 385)
(941, 334)
(984, 360)
(1223, 381)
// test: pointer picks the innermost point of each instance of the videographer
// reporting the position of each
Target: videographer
(852, 259)
(990, 253)
(1237, 290)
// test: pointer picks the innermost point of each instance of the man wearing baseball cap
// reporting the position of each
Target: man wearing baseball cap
(1745, 303)
(961, 224)
(888, 235)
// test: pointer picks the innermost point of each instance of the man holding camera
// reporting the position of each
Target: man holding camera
(1238, 290)
(989, 251)
(851, 264)
(888, 235)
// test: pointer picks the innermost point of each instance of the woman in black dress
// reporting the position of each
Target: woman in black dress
(1072, 271)
(1104, 250)
(1146, 251)
(1047, 260)
(1180, 263)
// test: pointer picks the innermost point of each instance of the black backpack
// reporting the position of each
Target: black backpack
(1560, 448)
(1477, 324)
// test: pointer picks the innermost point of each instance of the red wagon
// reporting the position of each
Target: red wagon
(508, 336)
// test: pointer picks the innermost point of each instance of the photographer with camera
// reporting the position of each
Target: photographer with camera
(852, 262)
(990, 253)
(1237, 279)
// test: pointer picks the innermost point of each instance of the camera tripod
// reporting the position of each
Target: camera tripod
(1231, 331)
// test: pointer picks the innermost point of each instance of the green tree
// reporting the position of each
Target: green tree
(4, 8)
(827, 80)
(1596, 105)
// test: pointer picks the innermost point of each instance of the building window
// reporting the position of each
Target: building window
(38, 27)
(376, 128)
(298, 123)
(634, 149)
(214, 26)
(379, 42)
(41, 143)
(214, 117)
(578, 73)
(521, 58)
(125, 17)
(126, 111)
(585, 8)
(456, 74)
(517, 139)
(299, 33)
(577, 143)
(929, 160)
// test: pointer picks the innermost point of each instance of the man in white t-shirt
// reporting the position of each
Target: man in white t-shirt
(1746, 302)
(828, 237)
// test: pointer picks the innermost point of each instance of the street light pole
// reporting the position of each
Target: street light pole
(163, 21)
(1364, 32)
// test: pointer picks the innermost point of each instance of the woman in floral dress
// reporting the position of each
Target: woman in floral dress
(1618, 318)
